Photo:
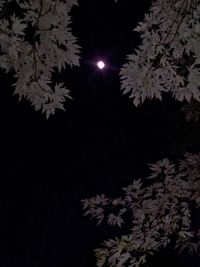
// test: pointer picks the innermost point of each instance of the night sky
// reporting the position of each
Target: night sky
(99, 145)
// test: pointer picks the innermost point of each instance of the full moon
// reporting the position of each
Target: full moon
(100, 65)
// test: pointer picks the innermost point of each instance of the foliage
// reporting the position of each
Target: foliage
(169, 56)
(160, 213)
(161, 208)
(35, 41)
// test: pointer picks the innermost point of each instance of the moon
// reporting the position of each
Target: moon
(100, 64)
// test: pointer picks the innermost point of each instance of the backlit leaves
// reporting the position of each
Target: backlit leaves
(159, 213)
(35, 41)
(168, 58)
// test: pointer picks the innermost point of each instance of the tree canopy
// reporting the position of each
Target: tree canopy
(36, 41)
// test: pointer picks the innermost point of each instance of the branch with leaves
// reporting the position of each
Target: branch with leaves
(170, 33)
(33, 53)
(159, 209)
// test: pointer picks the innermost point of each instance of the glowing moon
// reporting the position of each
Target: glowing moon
(100, 65)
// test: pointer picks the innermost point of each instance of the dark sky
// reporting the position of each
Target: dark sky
(97, 146)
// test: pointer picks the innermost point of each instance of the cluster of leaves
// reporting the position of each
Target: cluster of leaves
(161, 208)
(168, 58)
(160, 213)
(35, 41)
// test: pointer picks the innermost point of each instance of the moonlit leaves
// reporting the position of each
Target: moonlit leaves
(18, 25)
(95, 207)
(114, 219)
(160, 65)
(158, 213)
(162, 167)
(50, 49)
(136, 185)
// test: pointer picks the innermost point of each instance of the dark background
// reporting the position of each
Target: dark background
(100, 144)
